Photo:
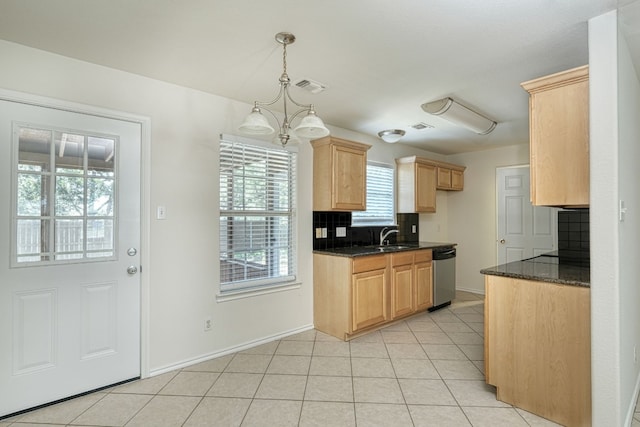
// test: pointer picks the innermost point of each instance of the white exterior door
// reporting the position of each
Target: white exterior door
(69, 254)
(524, 230)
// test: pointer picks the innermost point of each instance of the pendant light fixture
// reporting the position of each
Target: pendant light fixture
(311, 126)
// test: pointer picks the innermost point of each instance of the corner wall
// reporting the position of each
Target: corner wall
(615, 242)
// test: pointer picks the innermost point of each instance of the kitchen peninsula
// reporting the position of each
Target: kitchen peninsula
(537, 336)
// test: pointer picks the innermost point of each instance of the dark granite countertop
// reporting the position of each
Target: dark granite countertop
(545, 268)
(355, 251)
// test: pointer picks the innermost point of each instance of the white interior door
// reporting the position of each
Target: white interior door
(524, 230)
(70, 233)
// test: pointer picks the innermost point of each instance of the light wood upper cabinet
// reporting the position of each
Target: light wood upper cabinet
(450, 177)
(559, 138)
(418, 179)
(416, 185)
(339, 175)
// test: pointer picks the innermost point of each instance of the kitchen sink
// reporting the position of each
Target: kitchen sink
(393, 248)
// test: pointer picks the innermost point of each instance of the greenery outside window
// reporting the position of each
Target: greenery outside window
(257, 215)
(380, 197)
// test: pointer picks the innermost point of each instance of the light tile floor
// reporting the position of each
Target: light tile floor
(424, 371)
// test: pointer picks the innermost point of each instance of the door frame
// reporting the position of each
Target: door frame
(145, 204)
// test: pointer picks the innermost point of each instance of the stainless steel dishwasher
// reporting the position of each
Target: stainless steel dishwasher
(444, 277)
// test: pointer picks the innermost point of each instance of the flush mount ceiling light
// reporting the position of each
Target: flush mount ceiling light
(460, 115)
(391, 135)
(311, 126)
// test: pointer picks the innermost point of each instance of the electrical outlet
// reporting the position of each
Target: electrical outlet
(324, 232)
(341, 231)
(208, 323)
(414, 228)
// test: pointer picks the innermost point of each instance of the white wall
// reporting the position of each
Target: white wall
(472, 212)
(629, 178)
(183, 276)
(614, 129)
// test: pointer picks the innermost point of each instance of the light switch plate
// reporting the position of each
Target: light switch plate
(341, 231)
(318, 233)
(324, 233)
(161, 212)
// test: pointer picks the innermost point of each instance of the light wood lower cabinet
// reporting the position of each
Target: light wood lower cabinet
(369, 299)
(356, 295)
(423, 273)
(402, 284)
(538, 347)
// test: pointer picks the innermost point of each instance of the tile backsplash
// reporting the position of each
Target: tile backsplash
(573, 233)
(333, 222)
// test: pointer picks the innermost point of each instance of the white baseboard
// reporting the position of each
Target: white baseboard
(473, 291)
(230, 350)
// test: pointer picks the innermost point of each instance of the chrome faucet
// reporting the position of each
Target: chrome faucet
(384, 235)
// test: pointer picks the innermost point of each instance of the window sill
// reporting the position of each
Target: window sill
(264, 290)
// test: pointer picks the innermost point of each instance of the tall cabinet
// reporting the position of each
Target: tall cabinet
(559, 138)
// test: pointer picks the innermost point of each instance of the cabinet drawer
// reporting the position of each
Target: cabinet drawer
(369, 263)
(402, 258)
(422, 256)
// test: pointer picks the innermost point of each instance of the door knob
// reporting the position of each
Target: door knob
(132, 269)
(502, 241)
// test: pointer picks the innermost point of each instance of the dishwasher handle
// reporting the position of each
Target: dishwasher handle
(440, 254)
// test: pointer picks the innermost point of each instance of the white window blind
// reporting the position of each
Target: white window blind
(257, 216)
(380, 197)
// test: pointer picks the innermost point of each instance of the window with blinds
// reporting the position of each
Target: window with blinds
(257, 216)
(380, 197)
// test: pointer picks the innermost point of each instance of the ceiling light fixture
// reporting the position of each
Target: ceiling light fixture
(311, 126)
(391, 135)
(460, 115)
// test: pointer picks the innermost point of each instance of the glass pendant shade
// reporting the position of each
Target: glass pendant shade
(256, 124)
(311, 126)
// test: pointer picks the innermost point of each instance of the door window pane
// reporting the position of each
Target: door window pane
(99, 197)
(34, 149)
(69, 196)
(31, 198)
(101, 157)
(69, 153)
(77, 172)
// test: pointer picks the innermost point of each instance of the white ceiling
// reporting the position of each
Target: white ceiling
(380, 59)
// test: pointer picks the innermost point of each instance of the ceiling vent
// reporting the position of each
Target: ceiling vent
(310, 85)
(422, 126)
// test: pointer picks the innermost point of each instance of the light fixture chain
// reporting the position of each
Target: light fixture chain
(284, 58)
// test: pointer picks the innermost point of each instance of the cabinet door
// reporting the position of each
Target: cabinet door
(559, 135)
(369, 299)
(444, 178)
(457, 180)
(425, 188)
(349, 179)
(424, 288)
(402, 293)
